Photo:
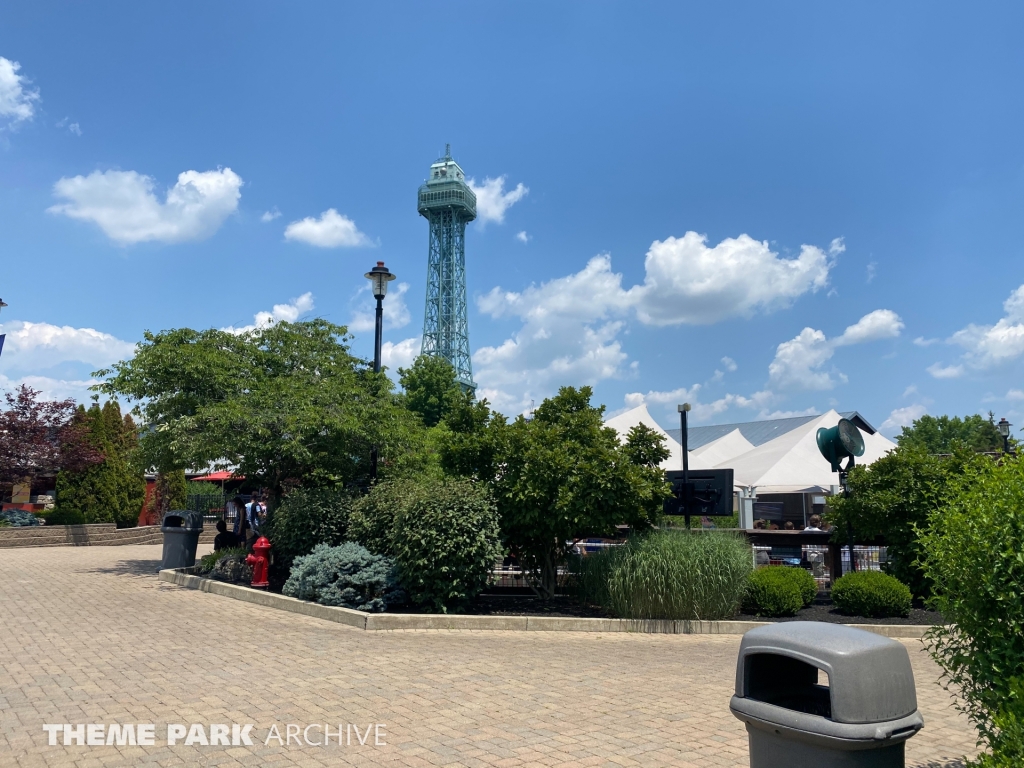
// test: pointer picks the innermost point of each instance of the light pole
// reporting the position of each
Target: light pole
(2, 335)
(684, 439)
(379, 278)
(1004, 429)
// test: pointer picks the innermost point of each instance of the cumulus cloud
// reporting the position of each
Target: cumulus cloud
(940, 371)
(921, 341)
(401, 355)
(798, 362)
(837, 246)
(51, 388)
(571, 323)
(492, 200)
(522, 237)
(40, 345)
(1015, 394)
(123, 204)
(988, 346)
(903, 417)
(396, 313)
(287, 313)
(665, 403)
(17, 99)
(270, 215)
(331, 230)
(729, 363)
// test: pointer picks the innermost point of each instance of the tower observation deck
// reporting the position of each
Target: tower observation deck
(448, 204)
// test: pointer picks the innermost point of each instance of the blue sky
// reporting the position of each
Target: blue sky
(852, 179)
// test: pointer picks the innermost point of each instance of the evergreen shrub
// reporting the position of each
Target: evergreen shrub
(871, 594)
(349, 576)
(772, 592)
(19, 518)
(64, 517)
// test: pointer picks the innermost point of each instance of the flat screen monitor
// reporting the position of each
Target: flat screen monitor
(710, 493)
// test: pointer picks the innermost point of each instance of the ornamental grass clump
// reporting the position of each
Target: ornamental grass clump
(871, 594)
(774, 591)
(349, 576)
(670, 575)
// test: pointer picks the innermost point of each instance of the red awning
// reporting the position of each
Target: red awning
(219, 476)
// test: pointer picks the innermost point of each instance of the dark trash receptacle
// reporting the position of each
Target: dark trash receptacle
(181, 529)
(816, 694)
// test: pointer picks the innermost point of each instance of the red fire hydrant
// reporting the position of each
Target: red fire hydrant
(260, 562)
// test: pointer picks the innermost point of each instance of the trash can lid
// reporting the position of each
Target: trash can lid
(186, 518)
(870, 677)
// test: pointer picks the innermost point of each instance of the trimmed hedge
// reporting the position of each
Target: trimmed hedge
(774, 591)
(871, 594)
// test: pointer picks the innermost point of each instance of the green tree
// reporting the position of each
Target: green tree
(894, 498)
(973, 554)
(286, 405)
(170, 492)
(936, 434)
(114, 489)
(558, 477)
(430, 388)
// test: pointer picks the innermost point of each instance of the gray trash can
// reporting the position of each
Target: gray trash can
(181, 529)
(815, 694)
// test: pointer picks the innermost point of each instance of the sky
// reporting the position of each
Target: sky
(760, 209)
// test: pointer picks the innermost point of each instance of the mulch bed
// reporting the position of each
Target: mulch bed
(919, 616)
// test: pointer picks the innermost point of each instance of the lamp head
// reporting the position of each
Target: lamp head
(840, 441)
(379, 278)
(1004, 427)
(683, 408)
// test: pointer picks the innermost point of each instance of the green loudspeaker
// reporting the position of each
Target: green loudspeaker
(840, 441)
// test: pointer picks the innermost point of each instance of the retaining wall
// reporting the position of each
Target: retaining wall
(97, 534)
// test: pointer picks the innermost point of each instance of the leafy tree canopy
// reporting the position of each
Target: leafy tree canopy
(286, 405)
(557, 477)
(894, 497)
(41, 436)
(936, 434)
(430, 388)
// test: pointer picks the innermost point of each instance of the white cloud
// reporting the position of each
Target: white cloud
(688, 282)
(401, 355)
(903, 417)
(837, 246)
(991, 345)
(270, 215)
(287, 313)
(1015, 394)
(125, 207)
(921, 341)
(940, 371)
(798, 362)
(492, 200)
(396, 313)
(17, 99)
(729, 363)
(571, 323)
(872, 271)
(40, 345)
(51, 388)
(880, 324)
(74, 128)
(522, 237)
(911, 390)
(331, 230)
(666, 402)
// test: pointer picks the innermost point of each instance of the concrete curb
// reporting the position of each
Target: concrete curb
(415, 621)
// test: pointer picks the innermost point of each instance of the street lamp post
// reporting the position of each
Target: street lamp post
(684, 439)
(379, 278)
(1004, 429)
(2, 335)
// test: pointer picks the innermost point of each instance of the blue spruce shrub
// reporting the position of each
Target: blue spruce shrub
(19, 517)
(348, 575)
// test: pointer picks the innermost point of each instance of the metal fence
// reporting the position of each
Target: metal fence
(815, 557)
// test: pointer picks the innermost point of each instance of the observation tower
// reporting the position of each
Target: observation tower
(448, 204)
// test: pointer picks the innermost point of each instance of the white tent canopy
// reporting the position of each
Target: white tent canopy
(639, 415)
(789, 463)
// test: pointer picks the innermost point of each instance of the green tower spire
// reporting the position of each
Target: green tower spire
(448, 204)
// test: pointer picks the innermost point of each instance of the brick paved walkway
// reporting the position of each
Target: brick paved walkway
(88, 635)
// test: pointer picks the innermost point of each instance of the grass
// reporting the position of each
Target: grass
(668, 575)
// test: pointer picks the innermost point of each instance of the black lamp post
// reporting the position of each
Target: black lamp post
(379, 278)
(2, 335)
(684, 439)
(1004, 429)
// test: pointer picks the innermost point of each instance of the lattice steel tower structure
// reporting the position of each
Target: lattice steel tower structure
(448, 204)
